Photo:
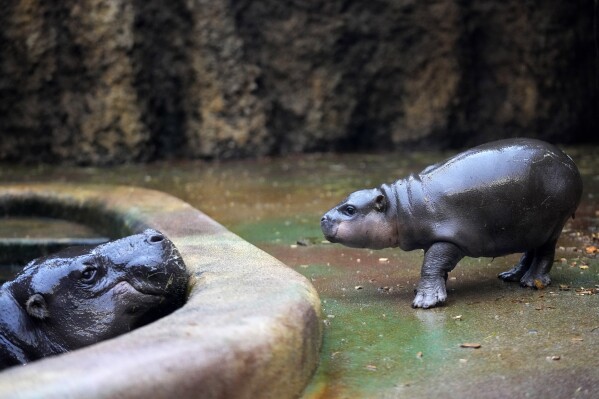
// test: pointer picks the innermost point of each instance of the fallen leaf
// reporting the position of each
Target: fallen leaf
(370, 367)
(539, 284)
(586, 291)
(470, 345)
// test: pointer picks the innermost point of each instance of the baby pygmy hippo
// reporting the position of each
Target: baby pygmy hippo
(499, 198)
(80, 296)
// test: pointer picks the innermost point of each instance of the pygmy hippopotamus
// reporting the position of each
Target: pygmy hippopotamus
(503, 197)
(80, 296)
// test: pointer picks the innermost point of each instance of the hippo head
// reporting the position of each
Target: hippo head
(362, 220)
(80, 296)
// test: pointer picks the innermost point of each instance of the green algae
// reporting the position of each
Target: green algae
(283, 231)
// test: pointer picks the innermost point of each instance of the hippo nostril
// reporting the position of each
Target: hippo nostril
(323, 219)
(156, 238)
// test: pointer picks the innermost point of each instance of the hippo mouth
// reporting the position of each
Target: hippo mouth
(143, 289)
(330, 238)
(144, 303)
(329, 230)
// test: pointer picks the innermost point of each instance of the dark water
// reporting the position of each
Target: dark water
(25, 238)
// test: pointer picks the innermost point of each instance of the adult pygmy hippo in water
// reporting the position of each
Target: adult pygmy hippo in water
(80, 296)
(499, 198)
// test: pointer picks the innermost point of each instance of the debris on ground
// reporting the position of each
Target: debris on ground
(471, 345)
(585, 291)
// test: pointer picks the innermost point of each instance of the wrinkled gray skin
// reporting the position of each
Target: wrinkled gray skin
(499, 198)
(80, 296)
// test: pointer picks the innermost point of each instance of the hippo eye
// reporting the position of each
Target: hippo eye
(88, 274)
(349, 210)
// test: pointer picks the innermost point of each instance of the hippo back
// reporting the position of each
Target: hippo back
(498, 198)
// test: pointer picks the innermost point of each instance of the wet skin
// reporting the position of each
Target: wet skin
(81, 296)
(499, 198)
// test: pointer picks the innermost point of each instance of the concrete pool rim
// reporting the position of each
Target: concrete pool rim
(251, 326)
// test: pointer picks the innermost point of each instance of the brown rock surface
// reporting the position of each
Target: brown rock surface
(99, 81)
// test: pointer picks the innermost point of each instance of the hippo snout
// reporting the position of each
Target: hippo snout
(149, 262)
(327, 225)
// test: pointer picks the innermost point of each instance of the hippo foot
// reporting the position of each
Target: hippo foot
(429, 295)
(535, 281)
(512, 275)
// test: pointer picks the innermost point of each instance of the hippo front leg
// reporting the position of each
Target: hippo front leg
(439, 260)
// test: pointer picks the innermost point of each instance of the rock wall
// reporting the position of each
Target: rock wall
(110, 81)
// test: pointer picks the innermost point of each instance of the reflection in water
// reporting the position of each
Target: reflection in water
(431, 320)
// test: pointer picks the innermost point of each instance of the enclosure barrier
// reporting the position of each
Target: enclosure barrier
(250, 328)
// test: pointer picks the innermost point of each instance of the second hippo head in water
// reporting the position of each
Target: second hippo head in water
(80, 296)
(499, 198)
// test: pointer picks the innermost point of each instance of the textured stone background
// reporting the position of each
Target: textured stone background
(110, 81)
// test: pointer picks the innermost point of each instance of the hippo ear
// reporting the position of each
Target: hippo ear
(36, 307)
(380, 203)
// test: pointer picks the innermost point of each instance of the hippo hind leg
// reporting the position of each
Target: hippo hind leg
(439, 260)
(537, 276)
(517, 272)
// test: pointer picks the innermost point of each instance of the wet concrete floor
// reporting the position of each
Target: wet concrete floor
(529, 343)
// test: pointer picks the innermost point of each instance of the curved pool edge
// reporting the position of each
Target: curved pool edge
(250, 328)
